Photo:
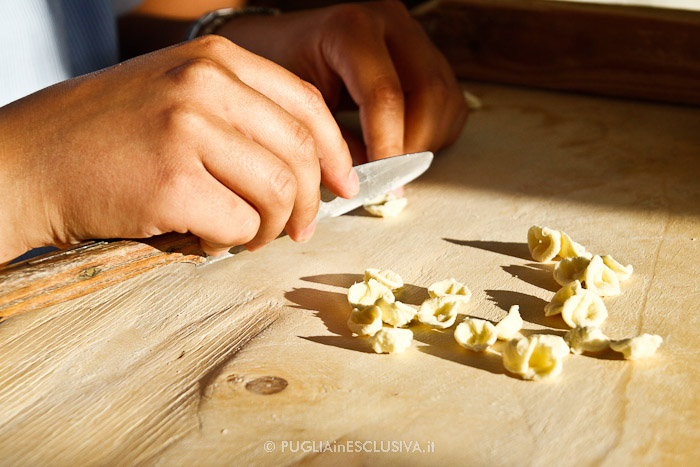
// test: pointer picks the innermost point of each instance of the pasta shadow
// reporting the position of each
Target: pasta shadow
(336, 280)
(531, 307)
(331, 307)
(514, 249)
(539, 275)
(441, 344)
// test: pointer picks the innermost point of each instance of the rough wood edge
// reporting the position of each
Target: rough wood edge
(64, 275)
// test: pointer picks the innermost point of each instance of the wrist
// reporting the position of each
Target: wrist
(25, 213)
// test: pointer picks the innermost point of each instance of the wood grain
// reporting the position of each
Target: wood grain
(86, 268)
(636, 52)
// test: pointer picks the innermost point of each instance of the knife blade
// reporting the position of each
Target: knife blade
(376, 178)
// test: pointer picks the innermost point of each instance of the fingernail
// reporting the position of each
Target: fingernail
(353, 182)
(308, 232)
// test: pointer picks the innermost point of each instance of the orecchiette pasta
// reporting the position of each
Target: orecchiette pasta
(365, 321)
(586, 339)
(622, 272)
(571, 249)
(438, 312)
(388, 205)
(544, 243)
(643, 346)
(450, 289)
(386, 277)
(600, 279)
(475, 334)
(578, 306)
(391, 340)
(364, 294)
(396, 313)
(570, 269)
(536, 357)
(508, 327)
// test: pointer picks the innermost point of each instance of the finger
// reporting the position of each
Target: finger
(212, 212)
(256, 175)
(367, 69)
(301, 100)
(435, 107)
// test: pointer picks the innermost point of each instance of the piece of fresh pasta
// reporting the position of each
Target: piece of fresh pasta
(388, 205)
(600, 279)
(577, 306)
(639, 347)
(544, 243)
(622, 272)
(438, 312)
(391, 340)
(475, 334)
(586, 339)
(396, 313)
(386, 277)
(510, 326)
(571, 249)
(570, 269)
(365, 321)
(364, 294)
(450, 289)
(537, 357)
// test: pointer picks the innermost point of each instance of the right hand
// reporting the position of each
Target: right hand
(202, 137)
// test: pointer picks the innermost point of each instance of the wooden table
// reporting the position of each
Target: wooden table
(149, 370)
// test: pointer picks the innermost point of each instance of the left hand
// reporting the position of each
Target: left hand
(408, 97)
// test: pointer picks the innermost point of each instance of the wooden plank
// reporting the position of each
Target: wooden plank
(636, 52)
(75, 272)
(146, 370)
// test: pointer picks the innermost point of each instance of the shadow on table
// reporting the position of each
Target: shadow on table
(442, 344)
(531, 307)
(539, 275)
(514, 249)
(336, 280)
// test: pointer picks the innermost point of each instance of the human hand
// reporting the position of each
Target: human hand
(204, 137)
(408, 97)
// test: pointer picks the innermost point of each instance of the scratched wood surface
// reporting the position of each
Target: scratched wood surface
(146, 371)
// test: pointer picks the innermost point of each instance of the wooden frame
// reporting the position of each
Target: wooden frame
(635, 52)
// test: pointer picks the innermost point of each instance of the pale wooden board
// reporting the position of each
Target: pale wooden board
(96, 379)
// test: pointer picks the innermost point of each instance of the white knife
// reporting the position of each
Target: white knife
(376, 178)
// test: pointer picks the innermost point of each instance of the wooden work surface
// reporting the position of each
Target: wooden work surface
(147, 370)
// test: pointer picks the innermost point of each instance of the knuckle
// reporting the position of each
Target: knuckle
(304, 145)
(180, 118)
(213, 45)
(313, 98)
(387, 91)
(310, 205)
(283, 185)
(195, 73)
